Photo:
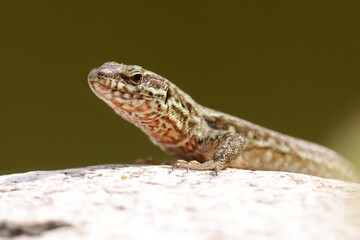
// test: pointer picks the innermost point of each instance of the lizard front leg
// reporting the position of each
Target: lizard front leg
(228, 147)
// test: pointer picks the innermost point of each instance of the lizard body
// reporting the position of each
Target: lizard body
(203, 138)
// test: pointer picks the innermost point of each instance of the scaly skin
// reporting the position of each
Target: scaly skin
(204, 138)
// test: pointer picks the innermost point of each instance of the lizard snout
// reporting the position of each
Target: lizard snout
(93, 75)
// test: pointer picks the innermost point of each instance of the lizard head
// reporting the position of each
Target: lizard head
(129, 89)
(128, 82)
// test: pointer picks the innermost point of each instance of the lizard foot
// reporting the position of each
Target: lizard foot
(195, 165)
(186, 165)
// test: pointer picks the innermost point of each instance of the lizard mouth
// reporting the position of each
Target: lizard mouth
(100, 83)
(96, 76)
(108, 88)
(108, 82)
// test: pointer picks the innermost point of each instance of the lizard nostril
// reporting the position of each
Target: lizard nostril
(100, 74)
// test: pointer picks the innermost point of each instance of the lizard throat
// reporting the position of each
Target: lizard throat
(150, 115)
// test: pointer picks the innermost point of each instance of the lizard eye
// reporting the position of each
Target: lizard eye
(136, 78)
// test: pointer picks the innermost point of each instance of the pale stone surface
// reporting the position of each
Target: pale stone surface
(151, 202)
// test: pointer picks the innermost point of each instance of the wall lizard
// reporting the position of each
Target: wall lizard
(202, 138)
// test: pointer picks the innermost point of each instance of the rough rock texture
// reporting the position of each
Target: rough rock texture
(151, 202)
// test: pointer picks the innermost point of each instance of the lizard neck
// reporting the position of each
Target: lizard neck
(181, 113)
(169, 122)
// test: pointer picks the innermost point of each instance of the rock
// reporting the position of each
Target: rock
(153, 202)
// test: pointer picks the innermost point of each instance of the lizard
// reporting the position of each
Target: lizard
(205, 139)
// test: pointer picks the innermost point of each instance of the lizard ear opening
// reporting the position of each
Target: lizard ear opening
(167, 95)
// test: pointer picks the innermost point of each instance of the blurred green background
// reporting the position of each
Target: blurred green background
(292, 66)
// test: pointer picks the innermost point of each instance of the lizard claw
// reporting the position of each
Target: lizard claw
(216, 171)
